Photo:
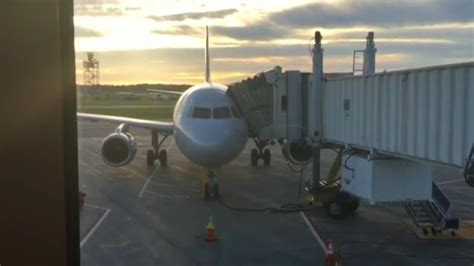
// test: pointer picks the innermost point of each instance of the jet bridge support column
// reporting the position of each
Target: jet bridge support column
(315, 107)
(369, 55)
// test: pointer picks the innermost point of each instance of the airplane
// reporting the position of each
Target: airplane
(207, 128)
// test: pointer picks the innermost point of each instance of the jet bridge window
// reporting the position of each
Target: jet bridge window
(201, 112)
(221, 113)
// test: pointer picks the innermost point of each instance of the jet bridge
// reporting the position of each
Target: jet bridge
(270, 102)
(392, 127)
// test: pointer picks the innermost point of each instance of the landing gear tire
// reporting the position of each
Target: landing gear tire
(254, 157)
(425, 231)
(206, 192)
(163, 157)
(267, 156)
(334, 209)
(341, 205)
(353, 204)
(216, 191)
(150, 158)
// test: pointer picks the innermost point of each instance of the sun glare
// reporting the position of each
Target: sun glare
(149, 25)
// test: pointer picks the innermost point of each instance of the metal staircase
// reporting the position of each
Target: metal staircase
(433, 213)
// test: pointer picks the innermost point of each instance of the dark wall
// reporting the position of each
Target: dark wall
(33, 144)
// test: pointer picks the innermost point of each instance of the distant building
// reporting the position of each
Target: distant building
(163, 96)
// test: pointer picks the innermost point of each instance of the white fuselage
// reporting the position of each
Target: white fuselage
(208, 130)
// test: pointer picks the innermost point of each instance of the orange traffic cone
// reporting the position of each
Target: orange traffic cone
(211, 231)
(330, 260)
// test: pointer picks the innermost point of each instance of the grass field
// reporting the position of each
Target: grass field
(143, 107)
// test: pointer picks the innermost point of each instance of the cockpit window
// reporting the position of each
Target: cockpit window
(221, 113)
(201, 112)
(235, 113)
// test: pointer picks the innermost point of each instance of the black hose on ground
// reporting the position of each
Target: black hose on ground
(284, 208)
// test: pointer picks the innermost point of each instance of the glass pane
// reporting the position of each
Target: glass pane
(200, 112)
(222, 113)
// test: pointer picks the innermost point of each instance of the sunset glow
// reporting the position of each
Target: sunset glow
(162, 41)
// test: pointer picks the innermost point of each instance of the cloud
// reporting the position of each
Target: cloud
(433, 35)
(179, 30)
(253, 32)
(97, 8)
(81, 32)
(195, 15)
(164, 65)
(257, 31)
(375, 13)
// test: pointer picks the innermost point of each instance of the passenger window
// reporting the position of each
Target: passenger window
(235, 113)
(200, 112)
(221, 113)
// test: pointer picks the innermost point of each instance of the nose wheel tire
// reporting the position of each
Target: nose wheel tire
(267, 156)
(254, 157)
(206, 193)
(163, 157)
(150, 158)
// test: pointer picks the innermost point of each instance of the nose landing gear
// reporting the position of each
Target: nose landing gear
(210, 186)
(261, 153)
(156, 153)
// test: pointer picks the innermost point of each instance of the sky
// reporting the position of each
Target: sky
(160, 41)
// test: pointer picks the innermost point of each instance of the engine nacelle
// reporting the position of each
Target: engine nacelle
(119, 148)
(296, 152)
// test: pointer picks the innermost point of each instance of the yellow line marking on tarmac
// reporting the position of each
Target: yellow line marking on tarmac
(146, 183)
(175, 186)
(120, 244)
(162, 184)
(140, 195)
(167, 196)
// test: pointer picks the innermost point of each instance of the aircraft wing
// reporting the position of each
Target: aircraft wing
(165, 127)
(166, 92)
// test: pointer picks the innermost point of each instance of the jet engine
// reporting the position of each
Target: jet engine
(119, 148)
(296, 152)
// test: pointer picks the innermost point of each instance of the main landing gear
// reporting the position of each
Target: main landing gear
(261, 153)
(156, 153)
(210, 186)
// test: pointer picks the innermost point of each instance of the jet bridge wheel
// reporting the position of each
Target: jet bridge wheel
(341, 205)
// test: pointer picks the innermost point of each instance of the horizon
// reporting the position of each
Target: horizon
(164, 44)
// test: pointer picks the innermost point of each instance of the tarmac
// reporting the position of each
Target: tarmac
(158, 217)
(135, 215)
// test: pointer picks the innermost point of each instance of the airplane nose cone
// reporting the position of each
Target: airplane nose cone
(213, 146)
(219, 146)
